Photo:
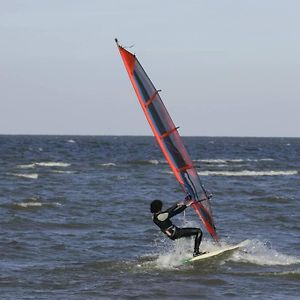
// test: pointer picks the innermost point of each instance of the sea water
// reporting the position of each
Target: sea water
(75, 220)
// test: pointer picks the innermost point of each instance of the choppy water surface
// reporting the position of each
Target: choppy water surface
(75, 221)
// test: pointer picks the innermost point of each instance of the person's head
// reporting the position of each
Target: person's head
(155, 206)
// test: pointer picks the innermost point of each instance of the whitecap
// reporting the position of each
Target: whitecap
(248, 173)
(153, 161)
(110, 164)
(52, 164)
(243, 173)
(44, 164)
(252, 251)
(37, 204)
(212, 161)
(29, 204)
(29, 166)
(234, 160)
(29, 176)
(259, 253)
(62, 172)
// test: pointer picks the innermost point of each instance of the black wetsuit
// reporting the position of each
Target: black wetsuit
(162, 220)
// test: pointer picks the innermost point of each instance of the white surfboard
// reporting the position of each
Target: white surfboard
(217, 252)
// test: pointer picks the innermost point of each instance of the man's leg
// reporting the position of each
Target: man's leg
(186, 232)
(198, 239)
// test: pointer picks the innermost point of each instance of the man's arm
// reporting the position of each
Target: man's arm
(176, 209)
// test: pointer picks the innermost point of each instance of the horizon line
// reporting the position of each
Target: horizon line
(143, 135)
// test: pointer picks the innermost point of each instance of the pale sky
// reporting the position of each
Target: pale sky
(225, 68)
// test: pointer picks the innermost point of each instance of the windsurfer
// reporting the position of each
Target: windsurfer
(162, 220)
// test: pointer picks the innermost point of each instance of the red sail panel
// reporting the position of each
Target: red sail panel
(168, 139)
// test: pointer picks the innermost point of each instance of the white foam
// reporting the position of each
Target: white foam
(71, 141)
(252, 251)
(215, 161)
(36, 204)
(30, 204)
(248, 173)
(257, 252)
(52, 164)
(180, 250)
(153, 161)
(29, 166)
(62, 172)
(244, 173)
(236, 160)
(29, 176)
(108, 164)
(44, 164)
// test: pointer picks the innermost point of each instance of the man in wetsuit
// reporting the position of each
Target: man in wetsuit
(162, 220)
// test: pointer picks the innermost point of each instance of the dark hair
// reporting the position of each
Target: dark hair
(155, 206)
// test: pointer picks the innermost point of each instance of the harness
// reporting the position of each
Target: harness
(170, 231)
(166, 226)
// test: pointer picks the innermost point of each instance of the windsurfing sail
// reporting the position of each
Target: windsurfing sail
(168, 138)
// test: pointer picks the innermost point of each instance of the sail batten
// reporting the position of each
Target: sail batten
(168, 138)
(151, 99)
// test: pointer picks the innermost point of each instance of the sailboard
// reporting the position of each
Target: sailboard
(217, 252)
(169, 140)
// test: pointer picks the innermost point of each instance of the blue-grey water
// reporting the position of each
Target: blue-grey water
(75, 220)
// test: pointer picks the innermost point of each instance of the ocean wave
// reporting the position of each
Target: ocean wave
(29, 204)
(236, 160)
(71, 141)
(52, 164)
(110, 164)
(259, 253)
(212, 161)
(22, 175)
(244, 173)
(45, 164)
(145, 162)
(249, 173)
(273, 199)
(62, 172)
(34, 204)
(292, 274)
(253, 252)
(28, 166)
(153, 162)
